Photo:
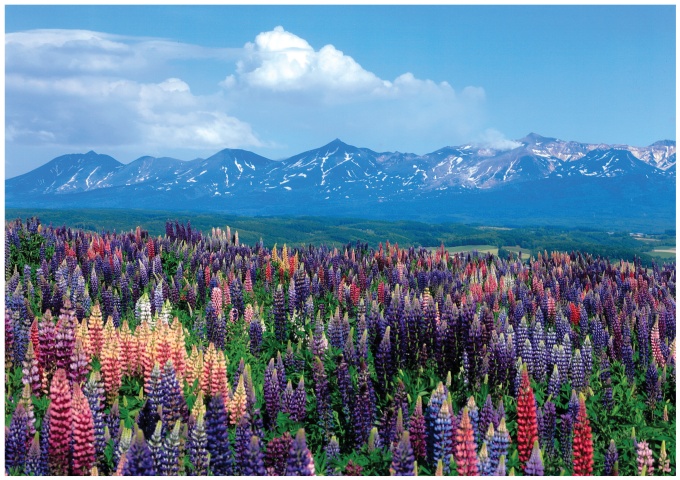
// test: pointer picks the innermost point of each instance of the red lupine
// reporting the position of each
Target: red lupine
(83, 434)
(583, 442)
(61, 421)
(466, 449)
(527, 426)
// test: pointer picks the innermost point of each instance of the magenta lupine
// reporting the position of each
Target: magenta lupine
(417, 430)
(276, 455)
(61, 421)
(84, 454)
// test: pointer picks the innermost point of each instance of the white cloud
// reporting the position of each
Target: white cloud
(72, 89)
(76, 87)
(494, 139)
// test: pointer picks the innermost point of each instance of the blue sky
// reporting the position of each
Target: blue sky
(188, 81)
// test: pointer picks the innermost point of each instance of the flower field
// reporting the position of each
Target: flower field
(193, 354)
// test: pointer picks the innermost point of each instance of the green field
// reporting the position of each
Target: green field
(335, 231)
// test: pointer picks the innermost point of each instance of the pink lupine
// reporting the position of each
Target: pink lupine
(61, 420)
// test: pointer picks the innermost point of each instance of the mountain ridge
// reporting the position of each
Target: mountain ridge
(339, 177)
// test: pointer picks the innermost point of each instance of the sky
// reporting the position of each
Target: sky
(186, 82)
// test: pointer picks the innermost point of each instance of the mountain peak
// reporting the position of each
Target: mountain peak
(533, 138)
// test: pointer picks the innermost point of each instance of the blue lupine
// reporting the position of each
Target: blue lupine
(403, 460)
(172, 399)
(253, 464)
(197, 447)
(138, 460)
(255, 335)
(221, 462)
(577, 371)
(17, 439)
(566, 437)
(33, 465)
(442, 446)
(170, 457)
(534, 466)
(242, 442)
(610, 458)
(300, 461)
(549, 425)
(499, 444)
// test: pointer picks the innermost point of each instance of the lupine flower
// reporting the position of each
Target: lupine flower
(565, 437)
(277, 454)
(483, 462)
(197, 447)
(664, 464)
(417, 430)
(583, 442)
(237, 406)
(221, 462)
(534, 466)
(300, 461)
(110, 358)
(610, 458)
(403, 460)
(500, 469)
(138, 461)
(83, 434)
(33, 465)
(271, 392)
(31, 374)
(17, 439)
(60, 424)
(155, 441)
(549, 417)
(298, 405)
(442, 447)
(174, 404)
(170, 453)
(645, 460)
(466, 449)
(498, 448)
(527, 427)
(332, 452)
(322, 393)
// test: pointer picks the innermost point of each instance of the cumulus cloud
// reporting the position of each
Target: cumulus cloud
(73, 88)
(76, 87)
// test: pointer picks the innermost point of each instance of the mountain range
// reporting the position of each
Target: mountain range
(541, 180)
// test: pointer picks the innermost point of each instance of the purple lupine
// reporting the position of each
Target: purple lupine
(473, 413)
(610, 458)
(221, 462)
(437, 399)
(17, 439)
(300, 461)
(279, 310)
(276, 456)
(345, 386)
(627, 358)
(652, 387)
(138, 460)
(384, 363)
(605, 378)
(577, 371)
(242, 442)
(155, 442)
(94, 392)
(442, 446)
(403, 459)
(534, 466)
(197, 447)
(483, 461)
(554, 384)
(499, 444)
(549, 416)
(364, 407)
(253, 464)
(65, 339)
(332, 453)
(298, 402)
(565, 439)
(271, 393)
(33, 465)
(172, 399)
(587, 354)
(44, 442)
(255, 335)
(323, 399)
(170, 452)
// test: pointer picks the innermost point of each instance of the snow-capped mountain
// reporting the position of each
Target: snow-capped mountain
(337, 175)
